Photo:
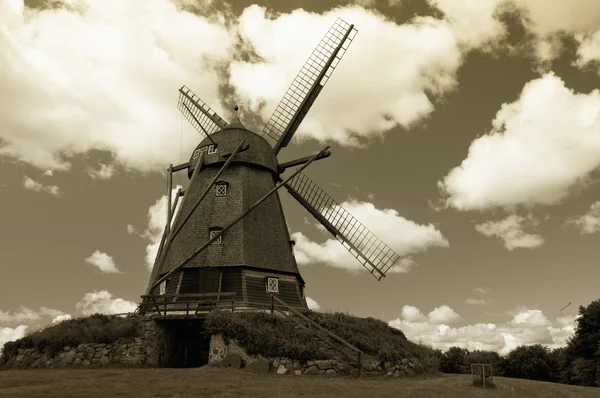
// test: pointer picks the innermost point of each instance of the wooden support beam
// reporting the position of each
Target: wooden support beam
(282, 166)
(168, 240)
(208, 188)
(182, 166)
(169, 189)
(231, 224)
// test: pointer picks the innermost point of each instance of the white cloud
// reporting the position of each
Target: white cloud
(32, 185)
(588, 223)
(27, 315)
(103, 262)
(157, 219)
(394, 85)
(526, 327)
(541, 147)
(48, 173)
(131, 230)
(312, 304)
(476, 301)
(510, 231)
(481, 290)
(588, 51)
(11, 334)
(443, 315)
(61, 318)
(105, 172)
(102, 302)
(403, 236)
(138, 53)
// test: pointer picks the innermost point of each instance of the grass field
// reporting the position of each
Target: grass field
(214, 382)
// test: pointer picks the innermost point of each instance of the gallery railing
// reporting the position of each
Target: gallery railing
(191, 304)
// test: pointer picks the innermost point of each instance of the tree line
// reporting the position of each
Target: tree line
(578, 363)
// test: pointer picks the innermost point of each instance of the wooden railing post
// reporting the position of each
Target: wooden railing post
(165, 305)
(272, 305)
(233, 304)
(359, 364)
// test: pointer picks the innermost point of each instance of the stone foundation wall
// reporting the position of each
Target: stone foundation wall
(140, 351)
(222, 354)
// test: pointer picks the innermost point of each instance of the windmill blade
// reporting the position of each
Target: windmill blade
(309, 82)
(370, 251)
(200, 115)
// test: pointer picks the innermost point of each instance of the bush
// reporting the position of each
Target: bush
(97, 328)
(275, 336)
(532, 362)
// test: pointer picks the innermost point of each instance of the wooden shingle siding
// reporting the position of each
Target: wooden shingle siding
(232, 282)
(189, 284)
(256, 292)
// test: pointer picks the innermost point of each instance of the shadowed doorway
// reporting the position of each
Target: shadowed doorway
(184, 346)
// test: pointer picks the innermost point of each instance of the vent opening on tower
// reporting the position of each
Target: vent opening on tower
(221, 188)
(272, 285)
(212, 232)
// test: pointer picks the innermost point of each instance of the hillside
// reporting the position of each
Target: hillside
(219, 383)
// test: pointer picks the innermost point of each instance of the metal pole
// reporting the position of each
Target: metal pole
(221, 232)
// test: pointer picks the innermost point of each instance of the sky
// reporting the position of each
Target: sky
(464, 133)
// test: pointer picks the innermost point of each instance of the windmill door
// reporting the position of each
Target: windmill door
(209, 280)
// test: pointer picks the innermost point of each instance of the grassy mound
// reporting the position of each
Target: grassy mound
(96, 328)
(275, 336)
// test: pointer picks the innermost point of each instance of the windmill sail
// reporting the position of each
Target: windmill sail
(200, 115)
(308, 84)
(371, 252)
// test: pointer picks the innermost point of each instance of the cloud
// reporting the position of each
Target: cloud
(526, 327)
(101, 301)
(11, 334)
(27, 315)
(131, 229)
(103, 262)
(588, 223)
(510, 231)
(476, 301)
(48, 173)
(404, 236)
(481, 290)
(588, 51)
(61, 318)
(396, 87)
(138, 53)
(32, 185)
(105, 172)
(312, 304)
(157, 220)
(548, 139)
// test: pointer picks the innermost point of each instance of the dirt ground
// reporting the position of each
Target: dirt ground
(220, 383)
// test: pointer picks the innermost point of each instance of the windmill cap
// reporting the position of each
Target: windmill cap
(235, 123)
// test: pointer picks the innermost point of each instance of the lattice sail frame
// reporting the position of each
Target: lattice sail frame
(306, 79)
(198, 113)
(372, 253)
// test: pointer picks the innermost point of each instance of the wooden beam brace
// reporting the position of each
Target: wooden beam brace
(281, 167)
(208, 188)
(165, 232)
(161, 259)
(182, 166)
(169, 189)
(231, 224)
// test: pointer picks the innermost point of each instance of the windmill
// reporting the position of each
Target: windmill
(230, 233)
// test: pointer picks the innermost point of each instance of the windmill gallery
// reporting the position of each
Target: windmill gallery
(228, 246)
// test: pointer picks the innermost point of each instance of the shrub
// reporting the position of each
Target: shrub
(272, 335)
(97, 328)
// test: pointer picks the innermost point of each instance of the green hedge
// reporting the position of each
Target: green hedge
(96, 328)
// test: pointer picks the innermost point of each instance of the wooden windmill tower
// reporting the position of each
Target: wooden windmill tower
(230, 237)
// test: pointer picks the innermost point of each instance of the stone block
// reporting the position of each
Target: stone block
(281, 370)
(330, 372)
(232, 361)
(258, 366)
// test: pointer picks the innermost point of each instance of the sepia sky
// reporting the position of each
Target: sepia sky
(465, 134)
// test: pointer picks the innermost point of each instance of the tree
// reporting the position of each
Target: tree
(582, 354)
(529, 362)
(454, 360)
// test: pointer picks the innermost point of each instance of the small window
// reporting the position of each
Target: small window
(162, 287)
(272, 285)
(213, 233)
(221, 190)
(212, 149)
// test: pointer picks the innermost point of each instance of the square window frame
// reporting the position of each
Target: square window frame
(212, 232)
(223, 187)
(276, 284)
